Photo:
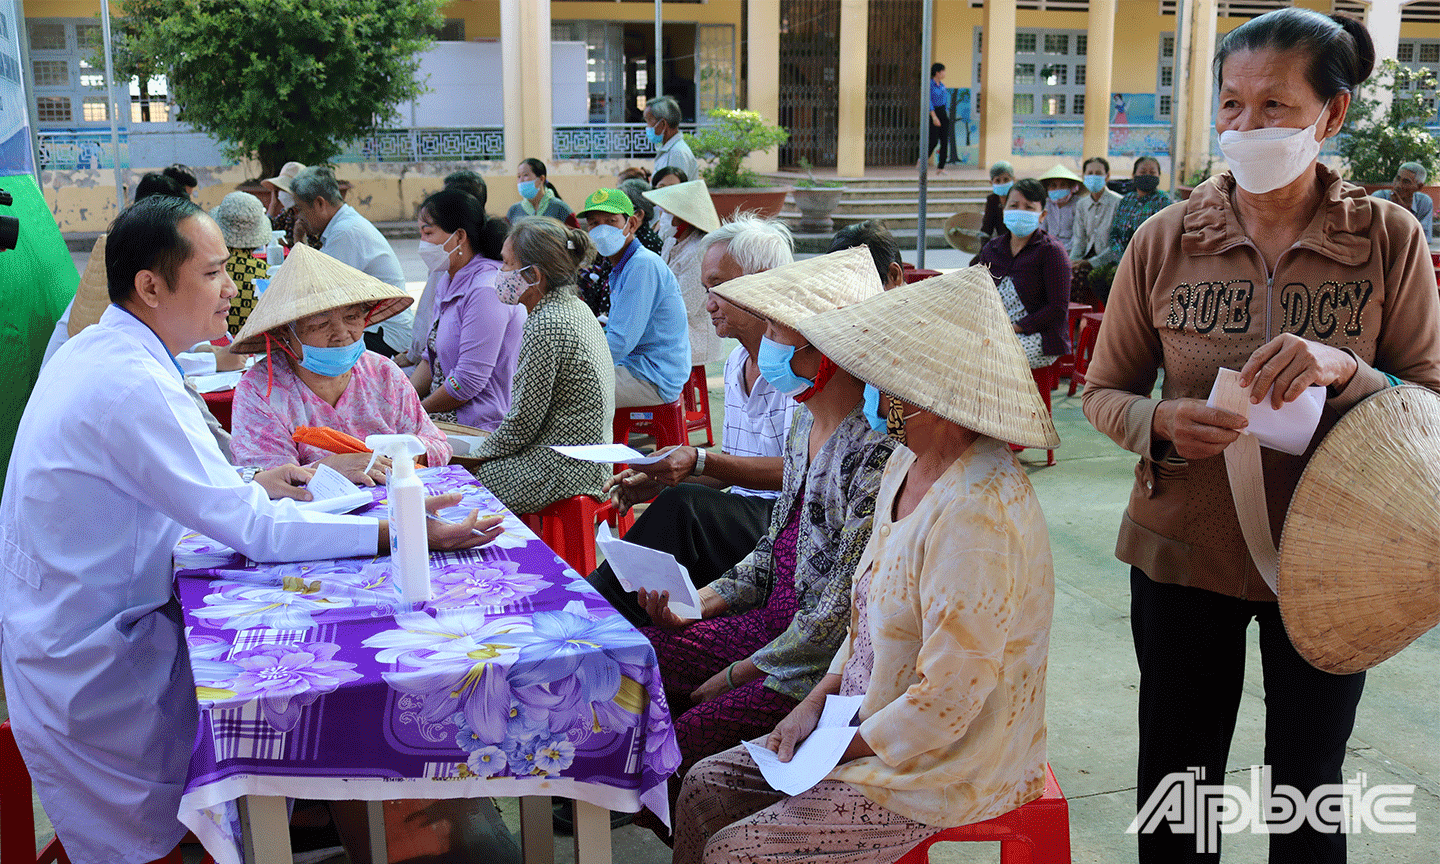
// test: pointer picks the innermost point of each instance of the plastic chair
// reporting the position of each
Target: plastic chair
(1034, 833)
(568, 528)
(17, 812)
(665, 423)
(1047, 378)
(1072, 322)
(915, 274)
(697, 405)
(1085, 348)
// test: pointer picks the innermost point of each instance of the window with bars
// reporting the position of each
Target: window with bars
(1419, 55)
(52, 109)
(95, 109)
(47, 35)
(1044, 5)
(69, 90)
(1049, 74)
(1165, 76)
(50, 73)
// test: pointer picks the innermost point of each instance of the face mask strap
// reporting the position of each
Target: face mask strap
(822, 377)
(371, 311)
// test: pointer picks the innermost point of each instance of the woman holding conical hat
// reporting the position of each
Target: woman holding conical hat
(771, 624)
(950, 621)
(316, 371)
(688, 215)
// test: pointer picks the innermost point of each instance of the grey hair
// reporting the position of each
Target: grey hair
(755, 244)
(665, 109)
(551, 248)
(1417, 169)
(315, 182)
(1002, 167)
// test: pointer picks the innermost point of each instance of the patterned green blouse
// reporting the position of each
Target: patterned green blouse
(1129, 214)
(839, 489)
(563, 393)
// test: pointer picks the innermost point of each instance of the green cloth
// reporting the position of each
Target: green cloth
(37, 280)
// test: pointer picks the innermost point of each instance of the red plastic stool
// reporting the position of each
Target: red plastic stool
(1085, 348)
(1047, 378)
(916, 274)
(665, 423)
(17, 812)
(1034, 833)
(697, 405)
(568, 528)
(1067, 361)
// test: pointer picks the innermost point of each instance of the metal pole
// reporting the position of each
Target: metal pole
(659, 70)
(1177, 116)
(922, 225)
(114, 105)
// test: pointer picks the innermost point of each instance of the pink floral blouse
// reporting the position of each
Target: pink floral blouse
(378, 400)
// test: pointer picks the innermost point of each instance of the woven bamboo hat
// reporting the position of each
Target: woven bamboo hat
(1359, 568)
(793, 292)
(688, 201)
(93, 295)
(312, 282)
(1060, 172)
(943, 344)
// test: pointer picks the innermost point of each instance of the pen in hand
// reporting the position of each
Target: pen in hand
(475, 531)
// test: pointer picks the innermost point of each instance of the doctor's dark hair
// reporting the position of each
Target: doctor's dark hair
(1338, 50)
(146, 236)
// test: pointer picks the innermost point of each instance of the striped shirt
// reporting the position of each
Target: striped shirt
(755, 425)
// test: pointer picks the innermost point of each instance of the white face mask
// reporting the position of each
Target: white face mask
(286, 199)
(435, 255)
(664, 227)
(1264, 160)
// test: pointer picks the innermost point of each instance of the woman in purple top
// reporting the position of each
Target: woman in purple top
(1032, 273)
(473, 344)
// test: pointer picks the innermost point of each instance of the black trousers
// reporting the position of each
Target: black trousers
(940, 135)
(707, 530)
(1190, 644)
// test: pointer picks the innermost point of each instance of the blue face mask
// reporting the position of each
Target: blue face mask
(655, 138)
(608, 239)
(1002, 189)
(872, 409)
(1094, 182)
(1021, 223)
(1058, 195)
(331, 362)
(774, 363)
(528, 189)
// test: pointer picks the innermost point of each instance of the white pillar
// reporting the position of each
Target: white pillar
(1198, 90)
(1099, 63)
(997, 114)
(1382, 17)
(525, 62)
(763, 68)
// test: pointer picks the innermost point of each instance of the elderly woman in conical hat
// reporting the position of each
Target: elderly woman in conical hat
(770, 625)
(686, 215)
(950, 621)
(317, 373)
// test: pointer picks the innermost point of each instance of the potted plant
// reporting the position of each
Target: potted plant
(1380, 138)
(817, 199)
(725, 142)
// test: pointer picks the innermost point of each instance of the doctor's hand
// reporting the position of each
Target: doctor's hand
(287, 481)
(352, 465)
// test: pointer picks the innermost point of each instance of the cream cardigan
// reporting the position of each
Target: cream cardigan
(958, 613)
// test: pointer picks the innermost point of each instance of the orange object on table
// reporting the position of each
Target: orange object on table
(329, 439)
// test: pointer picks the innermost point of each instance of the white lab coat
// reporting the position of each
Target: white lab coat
(112, 465)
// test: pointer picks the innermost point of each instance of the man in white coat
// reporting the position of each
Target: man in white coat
(112, 465)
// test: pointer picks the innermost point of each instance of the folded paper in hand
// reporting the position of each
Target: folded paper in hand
(639, 567)
(609, 453)
(1288, 428)
(817, 755)
(216, 382)
(332, 492)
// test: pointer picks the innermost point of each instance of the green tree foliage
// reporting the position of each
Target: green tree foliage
(131, 60)
(287, 79)
(1378, 138)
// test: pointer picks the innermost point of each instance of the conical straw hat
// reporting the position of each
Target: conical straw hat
(93, 295)
(688, 201)
(309, 282)
(793, 292)
(1359, 570)
(1060, 172)
(943, 344)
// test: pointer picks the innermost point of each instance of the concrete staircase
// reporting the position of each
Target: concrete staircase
(895, 200)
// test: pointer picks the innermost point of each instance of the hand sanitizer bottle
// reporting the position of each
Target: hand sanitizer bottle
(409, 547)
(274, 254)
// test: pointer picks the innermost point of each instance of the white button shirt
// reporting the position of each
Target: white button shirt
(353, 239)
(112, 465)
(675, 153)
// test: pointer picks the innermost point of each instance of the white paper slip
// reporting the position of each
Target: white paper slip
(464, 445)
(216, 381)
(1289, 428)
(338, 504)
(639, 567)
(817, 755)
(608, 453)
(329, 483)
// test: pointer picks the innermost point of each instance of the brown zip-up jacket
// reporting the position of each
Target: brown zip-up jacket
(1193, 295)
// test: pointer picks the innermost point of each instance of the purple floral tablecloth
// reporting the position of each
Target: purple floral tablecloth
(317, 680)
